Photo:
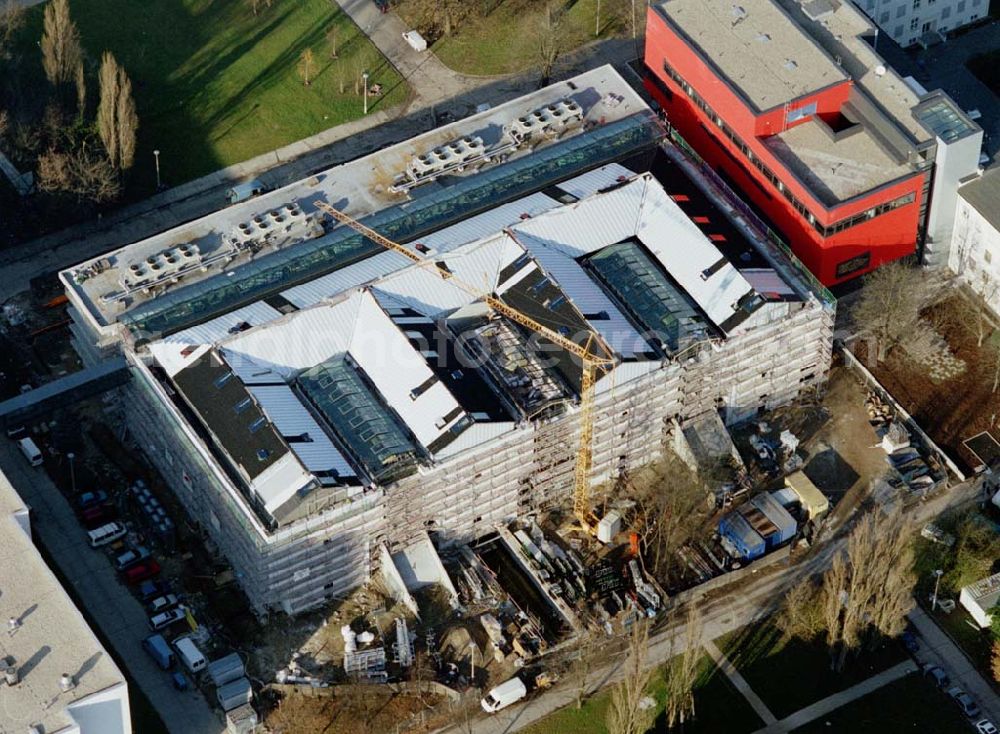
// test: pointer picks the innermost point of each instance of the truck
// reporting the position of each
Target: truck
(234, 694)
(159, 650)
(226, 669)
(504, 695)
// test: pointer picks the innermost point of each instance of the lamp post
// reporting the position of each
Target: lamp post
(72, 473)
(364, 76)
(156, 155)
(938, 573)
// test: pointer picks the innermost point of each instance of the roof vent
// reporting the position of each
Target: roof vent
(739, 13)
(13, 625)
(880, 70)
(791, 64)
(262, 454)
(763, 37)
(10, 675)
(66, 682)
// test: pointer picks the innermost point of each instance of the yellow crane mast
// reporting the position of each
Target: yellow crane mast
(590, 362)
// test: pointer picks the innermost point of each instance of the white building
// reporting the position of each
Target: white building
(980, 599)
(317, 403)
(45, 638)
(975, 249)
(907, 21)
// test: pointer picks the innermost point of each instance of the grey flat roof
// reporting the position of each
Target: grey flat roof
(53, 637)
(358, 187)
(757, 47)
(983, 195)
(835, 170)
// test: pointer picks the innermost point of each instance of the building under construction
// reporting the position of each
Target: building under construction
(315, 398)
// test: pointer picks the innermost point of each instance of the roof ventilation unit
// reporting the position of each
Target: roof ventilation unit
(450, 155)
(551, 119)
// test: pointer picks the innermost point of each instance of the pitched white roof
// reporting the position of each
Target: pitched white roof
(593, 181)
(291, 418)
(642, 209)
(280, 481)
(358, 326)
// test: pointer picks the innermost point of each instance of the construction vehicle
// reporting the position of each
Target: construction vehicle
(590, 359)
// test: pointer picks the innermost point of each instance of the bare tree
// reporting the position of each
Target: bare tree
(60, 43)
(127, 120)
(801, 613)
(550, 40)
(81, 90)
(307, 62)
(86, 174)
(583, 665)
(107, 108)
(331, 39)
(117, 119)
(889, 305)
(670, 508)
(868, 589)
(626, 714)
(682, 672)
(12, 14)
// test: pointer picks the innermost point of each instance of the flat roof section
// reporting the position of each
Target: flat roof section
(53, 638)
(983, 195)
(288, 220)
(756, 46)
(835, 170)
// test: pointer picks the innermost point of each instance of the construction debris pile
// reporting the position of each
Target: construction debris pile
(912, 468)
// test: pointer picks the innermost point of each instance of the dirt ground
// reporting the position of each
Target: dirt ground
(844, 458)
(954, 409)
(378, 712)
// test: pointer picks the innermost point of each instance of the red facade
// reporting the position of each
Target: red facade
(837, 242)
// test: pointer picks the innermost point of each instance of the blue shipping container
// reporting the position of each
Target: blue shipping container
(744, 541)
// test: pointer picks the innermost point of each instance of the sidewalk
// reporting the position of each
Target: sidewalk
(936, 647)
(107, 603)
(835, 701)
(741, 684)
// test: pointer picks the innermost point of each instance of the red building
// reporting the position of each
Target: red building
(840, 165)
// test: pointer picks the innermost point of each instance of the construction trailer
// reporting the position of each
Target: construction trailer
(740, 538)
(814, 503)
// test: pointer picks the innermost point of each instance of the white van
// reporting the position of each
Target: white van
(106, 534)
(190, 655)
(30, 451)
(504, 695)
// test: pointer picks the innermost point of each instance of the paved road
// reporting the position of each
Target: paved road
(937, 648)
(831, 703)
(729, 613)
(108, 604)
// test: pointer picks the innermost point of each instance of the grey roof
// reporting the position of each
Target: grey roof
(227, 409)
(983, 195)
(53, 639)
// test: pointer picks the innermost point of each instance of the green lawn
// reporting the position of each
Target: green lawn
(719, 707)
(910, 704)
(791, 674)
(508, 39)
(216, 85)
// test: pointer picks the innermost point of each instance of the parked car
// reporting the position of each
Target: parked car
(504, 695)
(131, 557)
(142, 571)
(95, 517)
(985, 726)
(165, 619)
(937, 674)
(90, 499)
(149, 590)
(162, 603)
(964, 701)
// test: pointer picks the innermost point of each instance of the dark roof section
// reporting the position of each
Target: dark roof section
(983, 195)
(459, 374)
(536, 296)
(230, 414)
